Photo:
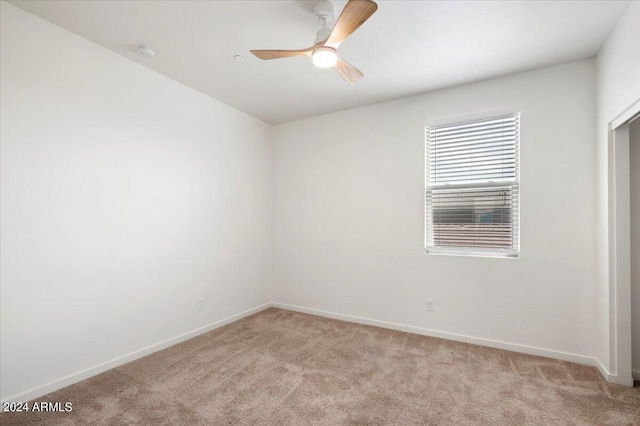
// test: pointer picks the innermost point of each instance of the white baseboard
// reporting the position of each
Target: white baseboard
(614, 378)
(548, 353)
(101, 368)
(605, 372)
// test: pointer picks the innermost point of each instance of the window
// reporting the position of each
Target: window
(472, 187)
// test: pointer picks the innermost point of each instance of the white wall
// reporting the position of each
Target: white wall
(349, 216)
(125, 196)
(618, 73)
(634, 155)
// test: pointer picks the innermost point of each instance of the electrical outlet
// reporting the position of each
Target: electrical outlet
(430, 305)
(199, 303)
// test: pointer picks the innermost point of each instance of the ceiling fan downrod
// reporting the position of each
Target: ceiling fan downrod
(325, 14)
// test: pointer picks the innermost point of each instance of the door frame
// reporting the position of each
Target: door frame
(620, 247)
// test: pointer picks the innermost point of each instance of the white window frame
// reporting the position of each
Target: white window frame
(513, 253)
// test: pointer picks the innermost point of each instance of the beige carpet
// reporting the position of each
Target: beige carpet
(283, 368)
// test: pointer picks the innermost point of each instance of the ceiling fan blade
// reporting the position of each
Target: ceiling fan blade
(354, 14)
(347, 71)
(277, 54)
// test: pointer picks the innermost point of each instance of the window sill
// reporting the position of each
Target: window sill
(473, 254)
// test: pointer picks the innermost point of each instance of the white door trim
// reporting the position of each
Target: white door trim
(620, 248)
(625, 116)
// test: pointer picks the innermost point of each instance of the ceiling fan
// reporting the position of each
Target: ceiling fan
(324, 51)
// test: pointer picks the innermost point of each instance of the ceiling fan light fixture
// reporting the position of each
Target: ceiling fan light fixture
(325, 57)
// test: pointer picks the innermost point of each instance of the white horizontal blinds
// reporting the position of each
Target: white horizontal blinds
(476, 151)
(472, 196)
(474, 217)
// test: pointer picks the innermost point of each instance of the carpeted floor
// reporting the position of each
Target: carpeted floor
(284, 368)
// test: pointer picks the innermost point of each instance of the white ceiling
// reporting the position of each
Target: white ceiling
(406, 48)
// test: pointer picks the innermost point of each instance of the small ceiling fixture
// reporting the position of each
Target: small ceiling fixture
(147, 52)
(238, 58)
